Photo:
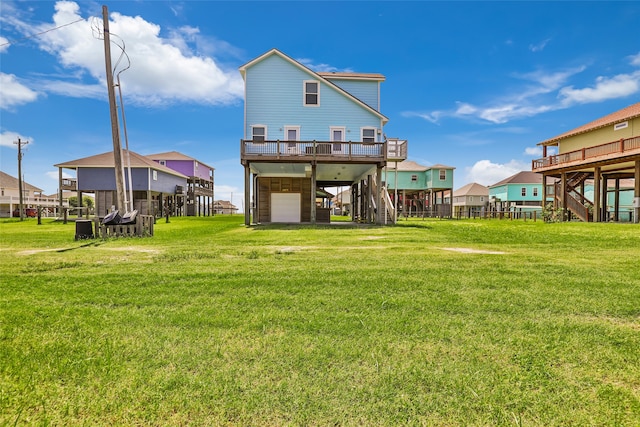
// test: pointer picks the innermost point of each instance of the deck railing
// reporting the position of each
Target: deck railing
(620, 147)
(251, 149)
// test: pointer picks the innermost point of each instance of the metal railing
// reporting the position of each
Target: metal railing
(621, 147)
(312, 149)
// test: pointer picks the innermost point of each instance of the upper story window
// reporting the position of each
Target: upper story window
(259, 133)
(155, 175)
(414, 178)
(535, 192)
(524, 191)
(368, 134)
(443, 174)
(162, 162)
(311, 93)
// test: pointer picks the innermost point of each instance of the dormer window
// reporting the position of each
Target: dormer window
(311, 93)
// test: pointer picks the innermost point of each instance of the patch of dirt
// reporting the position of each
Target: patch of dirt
(473, 251)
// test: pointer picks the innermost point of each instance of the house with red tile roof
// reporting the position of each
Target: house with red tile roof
(605, 151)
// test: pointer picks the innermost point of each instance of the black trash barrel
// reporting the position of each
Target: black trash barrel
(84, 229)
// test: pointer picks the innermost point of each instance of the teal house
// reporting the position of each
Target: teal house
(521, 192)
(420, 190)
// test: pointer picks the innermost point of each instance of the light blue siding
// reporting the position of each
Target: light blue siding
(434, 181)
(274, 97)
(365, 91)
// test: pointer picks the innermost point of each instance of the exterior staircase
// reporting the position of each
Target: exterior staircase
(577, 203)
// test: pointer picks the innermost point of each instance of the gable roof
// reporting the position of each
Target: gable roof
(630, 112)
(524, 177)
(175, 155)
(406, 165)
(318, 76)
(471, 189)
(106, 160)
(351, 76)
(8, 181)
(441, 166)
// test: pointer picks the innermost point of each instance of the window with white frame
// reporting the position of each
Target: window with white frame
(337, 135)
(368, 134)
(258, 133)
(471, 198)
(163, 162)
(523, 191)
(535, 192)
(311, 93)
(443, 174)
(155, 175)
(414, 178)
(292, 133)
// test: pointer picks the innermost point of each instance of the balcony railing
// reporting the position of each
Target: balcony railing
(613, 149)
(311, 150)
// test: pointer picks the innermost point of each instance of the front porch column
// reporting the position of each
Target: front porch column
(544, 191)
(616, 201)
(313, 193)
(563, 195)
(379, 195)
(597, 211)
(636, 194)
(247, 193)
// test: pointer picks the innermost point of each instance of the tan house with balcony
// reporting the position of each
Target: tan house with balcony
(606, 151)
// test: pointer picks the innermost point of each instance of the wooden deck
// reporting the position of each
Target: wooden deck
(611, 152)
(319, 151)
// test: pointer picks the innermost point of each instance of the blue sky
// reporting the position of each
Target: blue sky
(474, 85)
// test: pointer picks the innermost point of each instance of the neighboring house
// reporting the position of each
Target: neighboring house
(156, 189)
(341, 202)
(605, 151)
(470, 201)
(519, 192)
(32, 198)
(421, 190)
(305, 131)
(224, 207)
(199, 188)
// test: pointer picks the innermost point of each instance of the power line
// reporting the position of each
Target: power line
(39, 34)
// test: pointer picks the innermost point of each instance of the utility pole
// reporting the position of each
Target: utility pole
(20, 144)
(115, 129)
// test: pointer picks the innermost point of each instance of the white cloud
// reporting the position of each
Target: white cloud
(4, 44)
(539, 46)
(13, 92)
(487, 173)
(163, 70)
(7, 139)
(635, 59)
(319, 68)
(619, 86)
(533, 151)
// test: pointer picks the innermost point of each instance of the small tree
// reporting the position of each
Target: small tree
(87, 202)
(551, 214)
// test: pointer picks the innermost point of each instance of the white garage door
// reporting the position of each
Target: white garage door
(285, 207)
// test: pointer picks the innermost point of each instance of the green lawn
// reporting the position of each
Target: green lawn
(431, 322)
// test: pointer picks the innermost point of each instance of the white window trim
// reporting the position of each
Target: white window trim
(343, 130)
(440, 174)
(523, 192)
(155, 175)
(286, 135)
(259, 126)
(375, 130)
(304, 93)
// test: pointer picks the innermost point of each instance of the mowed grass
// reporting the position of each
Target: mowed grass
(431, 322)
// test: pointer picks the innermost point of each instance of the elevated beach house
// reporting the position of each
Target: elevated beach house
(521, 192)
(605, 151)
(471, 200)
(419, 190)
(305, 131)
